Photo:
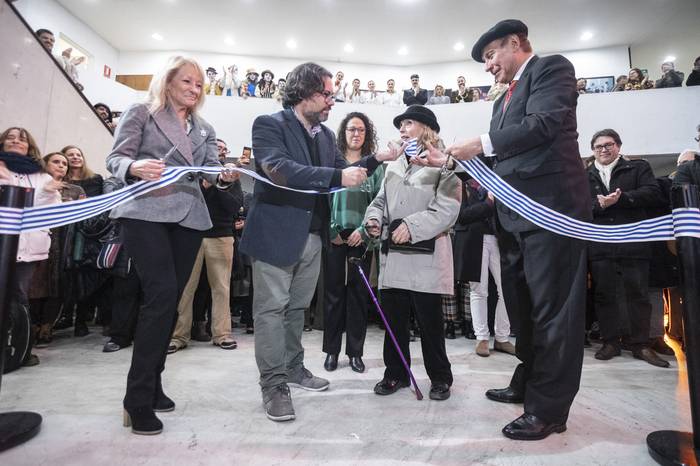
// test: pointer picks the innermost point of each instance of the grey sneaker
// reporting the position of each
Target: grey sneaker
(308, 381)
(277, 402)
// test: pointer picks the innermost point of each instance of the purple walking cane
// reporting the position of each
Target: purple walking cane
(358, 262)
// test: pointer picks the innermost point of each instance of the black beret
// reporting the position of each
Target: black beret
(418, 113)
(501, 29)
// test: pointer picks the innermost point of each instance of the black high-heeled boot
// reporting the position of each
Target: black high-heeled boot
(161, 402)
(142, 421)
(450, 330)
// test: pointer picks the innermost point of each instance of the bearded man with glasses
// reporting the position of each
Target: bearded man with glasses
(285, 230)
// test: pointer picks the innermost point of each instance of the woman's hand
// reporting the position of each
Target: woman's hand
(147, 169)
(337, 240)
(372, 228)
(5, 172)
(239, 224)
(355, 239)
(228, 175)
(401, 234)
(392, 152)
(54, 185)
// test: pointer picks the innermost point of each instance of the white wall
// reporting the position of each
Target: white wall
(684, 45)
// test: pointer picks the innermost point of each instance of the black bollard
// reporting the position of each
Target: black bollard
(669, 447)
(15, 427)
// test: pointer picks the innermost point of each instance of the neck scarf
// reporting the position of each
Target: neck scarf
(18, 163)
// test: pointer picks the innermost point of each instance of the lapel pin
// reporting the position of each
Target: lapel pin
(203, 133)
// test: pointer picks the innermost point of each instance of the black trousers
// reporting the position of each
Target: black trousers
(544, 286)
(163, 254)
(427, 308)
(345, 306)
(126, 300)
(621, 298)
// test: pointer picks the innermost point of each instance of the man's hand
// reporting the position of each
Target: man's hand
(466, 150)
(401, 234)
(355, 239)
(353, 176)
(431, 157)
(610, 199)
(392, 152)
(337, 240)
(372, 228)
(228, 175)
(147, 169)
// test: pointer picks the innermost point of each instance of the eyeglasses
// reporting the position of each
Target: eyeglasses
(602, 147)
(356, 130)
(327, 95)
(224, 151)
(697, 138)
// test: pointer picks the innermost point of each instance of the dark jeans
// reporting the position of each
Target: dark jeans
(126, 300)
(427, 307)
(45, 310)
(621, 299)
(345, 306)
(544, 285)
(163, 254)
(19, 288)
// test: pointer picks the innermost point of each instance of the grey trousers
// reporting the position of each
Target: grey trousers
(281, 295)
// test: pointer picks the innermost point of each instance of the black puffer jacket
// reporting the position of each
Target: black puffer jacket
(640, 192)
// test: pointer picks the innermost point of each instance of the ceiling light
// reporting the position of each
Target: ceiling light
(403, 50)
(291, 44)
(669, 58)
(587, 35)
(349, 48)
(157, 36)
(229, 41)
(458, 47)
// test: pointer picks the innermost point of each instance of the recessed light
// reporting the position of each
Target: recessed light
(349, 48)
(403, 50)
(587, 35)
(157, 36)
(458, 47)
(229, 41)
(291, 44)
(669, 58)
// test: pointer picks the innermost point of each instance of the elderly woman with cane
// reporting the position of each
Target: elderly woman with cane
(412, 214)
(162, 230)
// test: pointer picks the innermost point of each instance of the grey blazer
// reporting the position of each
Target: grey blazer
(142, 135)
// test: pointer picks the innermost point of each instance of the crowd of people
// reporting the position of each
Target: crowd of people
(430, 236)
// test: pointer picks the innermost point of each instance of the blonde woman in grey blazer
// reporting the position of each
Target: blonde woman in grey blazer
(162, 230)
(426, 202)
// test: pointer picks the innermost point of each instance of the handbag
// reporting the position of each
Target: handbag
(422, 247)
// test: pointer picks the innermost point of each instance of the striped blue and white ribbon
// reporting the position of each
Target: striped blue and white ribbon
(682, 222)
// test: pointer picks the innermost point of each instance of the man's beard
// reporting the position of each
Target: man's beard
(315, 118)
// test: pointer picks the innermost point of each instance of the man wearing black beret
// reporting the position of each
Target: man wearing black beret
(532, 143)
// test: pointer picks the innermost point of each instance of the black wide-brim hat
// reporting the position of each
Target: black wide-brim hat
(418, 113)
(501, 29)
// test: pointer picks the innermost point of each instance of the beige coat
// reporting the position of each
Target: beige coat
(428, 201)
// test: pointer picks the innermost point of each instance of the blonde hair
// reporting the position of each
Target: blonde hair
(85, 172)
(429, 136)
(157, 97)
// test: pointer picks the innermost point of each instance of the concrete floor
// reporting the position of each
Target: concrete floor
(219, 419)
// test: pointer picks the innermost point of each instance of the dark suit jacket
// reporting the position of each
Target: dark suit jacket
(410, 99)
(640, 193)
(535, 140)
(474, 221)
(688, 173)
(277, 225)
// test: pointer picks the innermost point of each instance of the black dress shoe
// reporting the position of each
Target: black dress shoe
(530, 427)
(647, 354)
(439, 391)
(388, 386)
(659, 345)
(450, 331)
(142, 421)
(81, 329)
(331, 363)
(249, 330)
(356, 364)
(505, 395)
(608, 351)
(111, 347)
